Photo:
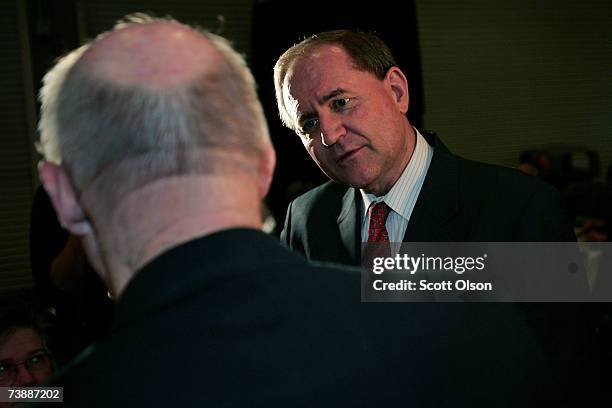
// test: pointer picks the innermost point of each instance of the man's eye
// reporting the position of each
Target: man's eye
(339, 104)
(309, 125)
(36, 358)
(4, 368)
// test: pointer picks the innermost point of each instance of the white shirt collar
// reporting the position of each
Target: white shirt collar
(399, 198)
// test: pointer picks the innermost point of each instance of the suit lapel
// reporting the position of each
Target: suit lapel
(349, 224)
(438, 200)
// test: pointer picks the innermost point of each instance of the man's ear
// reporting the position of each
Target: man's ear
(267, 163)
(59, 187)
(398, 84)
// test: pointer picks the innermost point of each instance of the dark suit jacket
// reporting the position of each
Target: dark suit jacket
(464, 201)
(233, 320)
(460, 201)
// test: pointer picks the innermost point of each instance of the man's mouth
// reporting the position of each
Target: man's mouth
(348, 155)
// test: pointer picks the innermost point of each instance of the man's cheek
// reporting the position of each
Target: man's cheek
(318, 154)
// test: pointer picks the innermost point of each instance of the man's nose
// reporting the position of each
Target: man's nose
(332, 129)
(23, 378)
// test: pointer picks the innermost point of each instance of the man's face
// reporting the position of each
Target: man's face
(23, 359)
(352, 124)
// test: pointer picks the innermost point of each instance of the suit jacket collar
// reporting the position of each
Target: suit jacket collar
(438, 201)
(349, 223)
(190, 267)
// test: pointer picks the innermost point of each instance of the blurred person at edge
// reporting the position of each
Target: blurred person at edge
(25, 359)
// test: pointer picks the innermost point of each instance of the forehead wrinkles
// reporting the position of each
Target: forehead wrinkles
(303, 80)
(298, 88)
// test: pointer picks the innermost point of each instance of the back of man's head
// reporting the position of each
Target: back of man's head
(150, 99)
(147, 128)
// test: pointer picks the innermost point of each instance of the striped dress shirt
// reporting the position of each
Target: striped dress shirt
(403, 195)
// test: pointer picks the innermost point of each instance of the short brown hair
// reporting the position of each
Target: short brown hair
(368, 53)
(21, 310)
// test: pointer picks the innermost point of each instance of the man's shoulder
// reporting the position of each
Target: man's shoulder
(496, 203)
(478, 175)
(322, 204)
(511, 205)
(505, 180)
(265, 309)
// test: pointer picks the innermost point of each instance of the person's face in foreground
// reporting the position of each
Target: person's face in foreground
(23, 359)
(351, 123)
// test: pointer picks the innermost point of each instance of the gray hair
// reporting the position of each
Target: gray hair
(107, 134)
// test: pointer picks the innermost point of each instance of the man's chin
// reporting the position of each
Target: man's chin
(360, 184)
(365, 182)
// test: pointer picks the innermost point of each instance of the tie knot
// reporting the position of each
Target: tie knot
(380, 211)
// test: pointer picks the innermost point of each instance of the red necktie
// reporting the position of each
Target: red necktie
(377, 232)
(378, 237)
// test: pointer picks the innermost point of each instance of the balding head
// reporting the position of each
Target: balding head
(150, 99)
(153, 135)
(159, 55)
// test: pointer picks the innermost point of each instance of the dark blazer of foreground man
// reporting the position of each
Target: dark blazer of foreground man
(157, 156)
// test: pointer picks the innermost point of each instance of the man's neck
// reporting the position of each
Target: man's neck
(170, 212)
(387, 181)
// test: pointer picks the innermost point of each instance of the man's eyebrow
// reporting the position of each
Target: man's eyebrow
(332, 94)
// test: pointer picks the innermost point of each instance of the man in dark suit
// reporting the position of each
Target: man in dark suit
(460, 200)
(343, 94)
(157, 156)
